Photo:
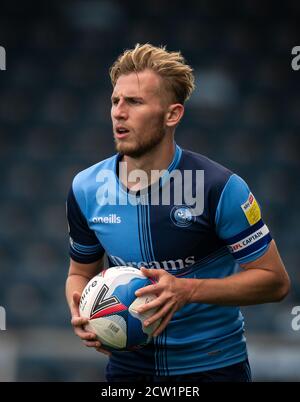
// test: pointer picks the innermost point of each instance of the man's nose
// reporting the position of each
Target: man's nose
(120, 110)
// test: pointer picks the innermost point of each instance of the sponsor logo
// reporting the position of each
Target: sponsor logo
(112, 218)
(170, 265)
(182, 216)
(248, 241)
(251, 210)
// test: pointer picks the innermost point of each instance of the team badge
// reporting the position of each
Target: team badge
(182, 216)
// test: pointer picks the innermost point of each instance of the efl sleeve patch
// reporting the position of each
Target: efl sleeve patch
(251, 210)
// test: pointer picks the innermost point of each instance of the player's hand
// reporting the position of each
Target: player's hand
(172, 294)
(89, 338)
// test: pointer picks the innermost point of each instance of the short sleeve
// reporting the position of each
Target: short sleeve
(84, 245)
(239, 222)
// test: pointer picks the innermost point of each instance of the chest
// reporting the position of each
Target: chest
(153, 234)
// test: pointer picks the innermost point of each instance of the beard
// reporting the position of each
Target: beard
(138, 146)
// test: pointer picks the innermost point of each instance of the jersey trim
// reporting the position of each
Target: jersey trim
(145, 232)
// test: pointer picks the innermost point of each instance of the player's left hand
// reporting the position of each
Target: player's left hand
(172, 294)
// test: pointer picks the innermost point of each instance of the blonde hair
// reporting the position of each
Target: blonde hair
(177, 76)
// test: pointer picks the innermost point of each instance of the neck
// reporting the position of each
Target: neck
(159, 158)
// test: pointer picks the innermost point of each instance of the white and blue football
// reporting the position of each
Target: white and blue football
(109, 302)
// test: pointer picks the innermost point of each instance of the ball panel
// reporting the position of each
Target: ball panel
(109, 310)
(119, 273)
(139, 301)
(110, 331)
(125, 293)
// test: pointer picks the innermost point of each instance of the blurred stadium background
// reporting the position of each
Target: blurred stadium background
(55, 121)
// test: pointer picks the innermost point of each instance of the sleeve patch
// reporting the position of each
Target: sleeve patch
(251, 210)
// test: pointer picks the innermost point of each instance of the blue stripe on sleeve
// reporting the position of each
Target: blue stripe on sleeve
(245, 233)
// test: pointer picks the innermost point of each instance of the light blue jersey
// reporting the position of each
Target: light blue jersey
(228, 231)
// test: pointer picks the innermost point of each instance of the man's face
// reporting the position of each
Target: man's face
(138, 113)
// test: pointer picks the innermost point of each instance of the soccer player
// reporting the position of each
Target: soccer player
(209, 251)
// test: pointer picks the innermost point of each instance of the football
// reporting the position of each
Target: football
(109, 302)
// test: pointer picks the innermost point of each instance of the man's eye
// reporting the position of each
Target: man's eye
(135, 101)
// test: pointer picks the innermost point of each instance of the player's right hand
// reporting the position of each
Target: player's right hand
(89, 338)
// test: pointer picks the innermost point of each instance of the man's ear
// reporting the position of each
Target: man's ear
(174, 114)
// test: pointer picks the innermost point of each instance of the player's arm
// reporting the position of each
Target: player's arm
(78, 277)
(86, 260)
(239, 223)
(264, 280)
